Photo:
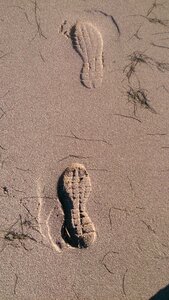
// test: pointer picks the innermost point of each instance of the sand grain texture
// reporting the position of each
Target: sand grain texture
(49, 121)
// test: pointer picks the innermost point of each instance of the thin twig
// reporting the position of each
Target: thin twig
(36, 19)
(111, 272)
(136, 58)
(109, 16)
(164, 32)
(123, 282)
(131, 185)
(100, 170)
(74, 156)
(104, 264)
(28, 210)
(3, 148)
(136, 34)
(157, 134)
(139, 96)
(73, 136)
(27, 18)
(121, 209)
(24, 170)
(3, 113)
(154, 20)
(16, 281)
(90, 140)
(154, 5)
(148, 226)
(36, 197)
(110, 218)
(160, 46)
(112, 18)
(129, 117)
(41, 56)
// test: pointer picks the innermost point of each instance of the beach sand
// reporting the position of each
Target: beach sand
(113, 119)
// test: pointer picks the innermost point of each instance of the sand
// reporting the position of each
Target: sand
(113, 119)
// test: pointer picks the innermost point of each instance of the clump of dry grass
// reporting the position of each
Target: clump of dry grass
(137, 58)
(139, 96)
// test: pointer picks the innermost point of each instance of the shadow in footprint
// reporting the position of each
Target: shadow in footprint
(74, 45)
(163, 294)
(67, 232)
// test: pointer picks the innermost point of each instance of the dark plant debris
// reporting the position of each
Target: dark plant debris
(154, 6)
(135, 59)
(16, 236)
(155, 20)
(159, 46)
(128, 117)
(123, 282)
(139, 96)
(15, 285)
(105, 264)
(136, 34)
(109, 16)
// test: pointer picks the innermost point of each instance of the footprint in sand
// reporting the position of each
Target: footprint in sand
(50, 219)
(74, 188)
(88, 42)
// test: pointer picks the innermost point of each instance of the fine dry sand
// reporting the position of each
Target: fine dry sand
(113, 119)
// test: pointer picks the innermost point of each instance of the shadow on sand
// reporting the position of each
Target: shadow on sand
(68, 232)
(163, 294)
